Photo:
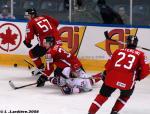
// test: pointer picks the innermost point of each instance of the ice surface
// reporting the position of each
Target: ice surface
(50, 100)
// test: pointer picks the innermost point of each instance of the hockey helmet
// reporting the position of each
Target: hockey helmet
(132, 41)
(31, 11)
(50, 40)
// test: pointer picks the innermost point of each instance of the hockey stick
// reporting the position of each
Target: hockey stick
(85, 78)
(143, 48)
(33, 66)
(28, 63)
(109, 38)
(23, 86)
(72, 78)
(14, 87)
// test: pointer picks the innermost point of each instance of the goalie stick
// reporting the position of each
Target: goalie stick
(18, 87)
(109, 38)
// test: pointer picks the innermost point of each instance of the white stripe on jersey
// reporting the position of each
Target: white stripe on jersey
(48, 68)
(65, 62)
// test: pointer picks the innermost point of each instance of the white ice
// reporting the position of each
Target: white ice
(50, 100)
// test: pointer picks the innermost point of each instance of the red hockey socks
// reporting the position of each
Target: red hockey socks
(120, 103)
(37, 61)
(97, 103)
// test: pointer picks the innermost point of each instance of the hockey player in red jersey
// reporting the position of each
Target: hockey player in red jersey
(41, 26)
(68, 65)
(121, 73)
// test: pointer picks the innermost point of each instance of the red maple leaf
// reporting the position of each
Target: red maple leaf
(8, 37)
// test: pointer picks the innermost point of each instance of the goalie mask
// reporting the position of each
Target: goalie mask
(132, 42)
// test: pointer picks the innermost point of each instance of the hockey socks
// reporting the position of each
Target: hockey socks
(97, 103)
(37, 61)
(121, 101)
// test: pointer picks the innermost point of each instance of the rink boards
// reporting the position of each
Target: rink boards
(88, 42)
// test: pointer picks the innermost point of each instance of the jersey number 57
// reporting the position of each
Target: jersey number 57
(44, 25)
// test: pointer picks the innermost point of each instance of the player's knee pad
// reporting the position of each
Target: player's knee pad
(66, 90)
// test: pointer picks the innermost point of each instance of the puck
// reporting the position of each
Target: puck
(15, 65)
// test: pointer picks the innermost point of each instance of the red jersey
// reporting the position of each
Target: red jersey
(42, 27)
(121, 68)
(61, 58)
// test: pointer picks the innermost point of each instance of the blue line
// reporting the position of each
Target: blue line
(84, 24)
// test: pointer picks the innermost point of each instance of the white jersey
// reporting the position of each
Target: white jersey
(77, 84)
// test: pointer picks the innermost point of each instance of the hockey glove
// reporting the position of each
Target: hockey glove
(66, 90)
(41, 81)
(28, 45)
